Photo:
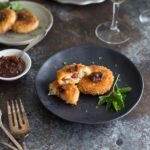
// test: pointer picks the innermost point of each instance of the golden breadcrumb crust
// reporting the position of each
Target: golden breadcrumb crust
(87, 86)
(27, 24)
(62, 73)
(8, 21)
(70, 95)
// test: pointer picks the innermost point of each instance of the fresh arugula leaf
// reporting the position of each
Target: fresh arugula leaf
(120, 103)
(5, 5)
(108, 106)
(118, 95)
(115, 98)
(115, 104)
(124, 90)
(123, 96)
(17, 6)
(102, 100)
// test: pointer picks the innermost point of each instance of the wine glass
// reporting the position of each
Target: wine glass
(145, 17)
(113, 32)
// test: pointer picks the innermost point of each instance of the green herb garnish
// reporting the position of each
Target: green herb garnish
(116, 65)
(96, 107)
(115, 98)
(100, 58)
(16, 6)
(5, 5)
(65, 63)
(64, 80)
(92, 62)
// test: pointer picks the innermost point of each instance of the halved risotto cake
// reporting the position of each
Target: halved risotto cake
(72, 74)
(67, 92)
(98, 82)
(26, 22)
(7, 19)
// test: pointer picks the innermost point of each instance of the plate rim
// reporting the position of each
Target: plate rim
(86, 2)
(98, 122)
(29, 41)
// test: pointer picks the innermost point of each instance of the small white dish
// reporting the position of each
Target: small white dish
(25, 57)
(46, 21)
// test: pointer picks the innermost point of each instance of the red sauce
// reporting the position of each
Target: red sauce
(10, 66)
(75, 75)
(2, 16)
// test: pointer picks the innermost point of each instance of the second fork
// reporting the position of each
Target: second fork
(18, 121)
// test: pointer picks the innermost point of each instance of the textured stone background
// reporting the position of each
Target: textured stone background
(73, 26)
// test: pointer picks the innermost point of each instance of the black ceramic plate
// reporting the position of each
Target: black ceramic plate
(86, 110)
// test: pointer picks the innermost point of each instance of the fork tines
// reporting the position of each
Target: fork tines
(16, 114)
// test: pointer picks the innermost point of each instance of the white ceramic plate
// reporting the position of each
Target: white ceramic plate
(80, 2)
(46, 21)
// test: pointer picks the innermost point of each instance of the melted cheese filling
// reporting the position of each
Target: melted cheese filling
(70, 79)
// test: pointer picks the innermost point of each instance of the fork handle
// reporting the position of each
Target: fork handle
(11, 137)
(8, 145)
(24, 145)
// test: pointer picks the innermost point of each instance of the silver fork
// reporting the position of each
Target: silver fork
(8, 134)
(18, 124)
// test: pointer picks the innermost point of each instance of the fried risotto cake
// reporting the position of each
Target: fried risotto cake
(72, 74)
(26, 22)
(7, 19)
(98, 82)
(67, 92)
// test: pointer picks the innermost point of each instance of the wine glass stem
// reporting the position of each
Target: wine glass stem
(114, 25)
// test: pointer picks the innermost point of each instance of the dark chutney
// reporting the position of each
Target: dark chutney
(10, 66)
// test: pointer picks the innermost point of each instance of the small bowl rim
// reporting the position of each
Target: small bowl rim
(26, 69)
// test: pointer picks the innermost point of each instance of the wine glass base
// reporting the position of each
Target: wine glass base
(145, 17)
(105, 34)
